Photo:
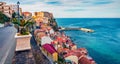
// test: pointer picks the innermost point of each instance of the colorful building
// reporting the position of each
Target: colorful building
(5, 8)
(42, 17)
(72, 58)
(27, 15)
(86, 60)
(9, 8)
(48, 15)
(50, 51)
(78, 55)
(38, 16)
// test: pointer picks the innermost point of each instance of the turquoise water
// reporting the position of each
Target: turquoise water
(104, 44)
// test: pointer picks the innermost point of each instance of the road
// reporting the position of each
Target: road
(7, 44)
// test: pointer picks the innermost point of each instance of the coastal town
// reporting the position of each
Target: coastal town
(39, 40)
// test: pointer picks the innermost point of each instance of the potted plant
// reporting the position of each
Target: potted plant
(23, 36)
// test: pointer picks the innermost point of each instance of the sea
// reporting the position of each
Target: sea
(103, 45)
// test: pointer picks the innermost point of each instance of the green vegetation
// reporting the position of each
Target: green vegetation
(23, 25)
(53, 23)
(60, 60)
(4, 18)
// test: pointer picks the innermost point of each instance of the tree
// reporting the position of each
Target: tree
(14, 15)
(53, 23)
(4, 18)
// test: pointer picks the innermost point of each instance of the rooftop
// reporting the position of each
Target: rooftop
(49, 48)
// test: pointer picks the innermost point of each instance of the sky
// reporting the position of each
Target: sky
(72, 8)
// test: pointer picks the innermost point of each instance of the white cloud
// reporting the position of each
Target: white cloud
(86, 8)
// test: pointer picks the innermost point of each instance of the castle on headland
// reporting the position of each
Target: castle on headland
(56, 45)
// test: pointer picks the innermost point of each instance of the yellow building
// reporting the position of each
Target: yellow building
(50, 52)
(42, 17)
(39, 14)
(39, 17)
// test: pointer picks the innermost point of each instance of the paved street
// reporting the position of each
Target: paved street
(7, 44)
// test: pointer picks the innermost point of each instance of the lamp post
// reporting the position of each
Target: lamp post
(18, 3)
